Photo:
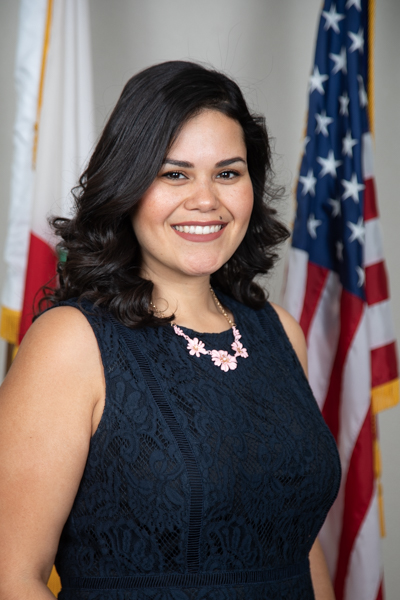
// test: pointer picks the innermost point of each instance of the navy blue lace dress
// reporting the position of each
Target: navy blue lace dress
(199, 483)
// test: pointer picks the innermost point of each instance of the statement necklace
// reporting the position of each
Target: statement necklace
(220, 358)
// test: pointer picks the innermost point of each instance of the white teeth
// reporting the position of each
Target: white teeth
(198, 229)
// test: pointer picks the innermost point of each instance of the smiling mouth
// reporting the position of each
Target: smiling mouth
(198, 229)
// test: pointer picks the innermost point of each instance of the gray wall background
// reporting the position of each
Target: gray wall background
(268, 47)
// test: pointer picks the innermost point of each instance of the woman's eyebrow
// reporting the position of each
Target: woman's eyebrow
(188, 165)
(229, 161)
(178, 163)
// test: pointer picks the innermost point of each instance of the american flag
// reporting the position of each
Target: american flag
(338, 291)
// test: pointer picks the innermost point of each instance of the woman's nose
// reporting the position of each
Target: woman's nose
(204, 197)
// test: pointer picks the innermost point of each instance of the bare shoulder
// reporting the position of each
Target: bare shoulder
(63, 322)
(61, 333)
(60, 350)
(294, 333)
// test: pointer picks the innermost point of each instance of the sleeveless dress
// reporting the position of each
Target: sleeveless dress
(199, 483)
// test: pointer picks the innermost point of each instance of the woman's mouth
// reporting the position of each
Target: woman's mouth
(198, 229)
(193, 232)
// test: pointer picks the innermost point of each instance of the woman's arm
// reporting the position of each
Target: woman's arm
(50, 402)
(321, 580)
(322, 585)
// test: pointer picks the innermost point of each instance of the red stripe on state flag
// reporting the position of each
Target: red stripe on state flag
(384, 365)
(376, 283)
(358, 494)
(370, 205)
(316, 279)
(41, 269)
(351, 309)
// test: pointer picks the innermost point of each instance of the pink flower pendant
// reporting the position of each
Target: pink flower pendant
(226, 362)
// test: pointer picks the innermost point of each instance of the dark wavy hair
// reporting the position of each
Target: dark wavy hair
(101, 255)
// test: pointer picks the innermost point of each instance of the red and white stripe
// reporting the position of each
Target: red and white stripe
(351, 348)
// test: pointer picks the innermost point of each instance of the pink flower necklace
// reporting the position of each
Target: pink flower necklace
(220, 358)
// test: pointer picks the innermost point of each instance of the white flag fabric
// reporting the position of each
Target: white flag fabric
(29, 53)
(65, 138)
(66, 129)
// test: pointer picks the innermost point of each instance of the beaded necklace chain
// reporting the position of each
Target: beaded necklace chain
(220, 358)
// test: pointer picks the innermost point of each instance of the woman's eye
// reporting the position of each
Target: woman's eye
(228, 174)
(174, 175)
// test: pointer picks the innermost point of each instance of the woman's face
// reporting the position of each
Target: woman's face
(195, 214)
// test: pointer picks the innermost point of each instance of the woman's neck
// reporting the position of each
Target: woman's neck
(192, 304)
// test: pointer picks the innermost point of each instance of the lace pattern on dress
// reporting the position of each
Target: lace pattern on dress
(196, 472)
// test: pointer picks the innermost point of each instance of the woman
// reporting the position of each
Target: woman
(156, 461)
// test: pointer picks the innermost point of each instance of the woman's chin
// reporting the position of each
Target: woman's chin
(201, 268)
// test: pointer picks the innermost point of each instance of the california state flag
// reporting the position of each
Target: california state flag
(58, 137)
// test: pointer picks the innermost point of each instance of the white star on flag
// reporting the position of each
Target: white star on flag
(357, 40)
(312, 225)
(328, 164)
(348, 143)
(322, 123)
(339, 250)
(356, 3)
(352, 188)
(357, 231)
(340, 61)
(336, 208)
(361, 276)
(316, 80)
(305, 142)
(308, 182)
(362, 94)
(344, 104)
(332, 19)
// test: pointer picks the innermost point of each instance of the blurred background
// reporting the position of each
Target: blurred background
(267, 46)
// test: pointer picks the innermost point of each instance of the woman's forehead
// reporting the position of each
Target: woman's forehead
(209, 132)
